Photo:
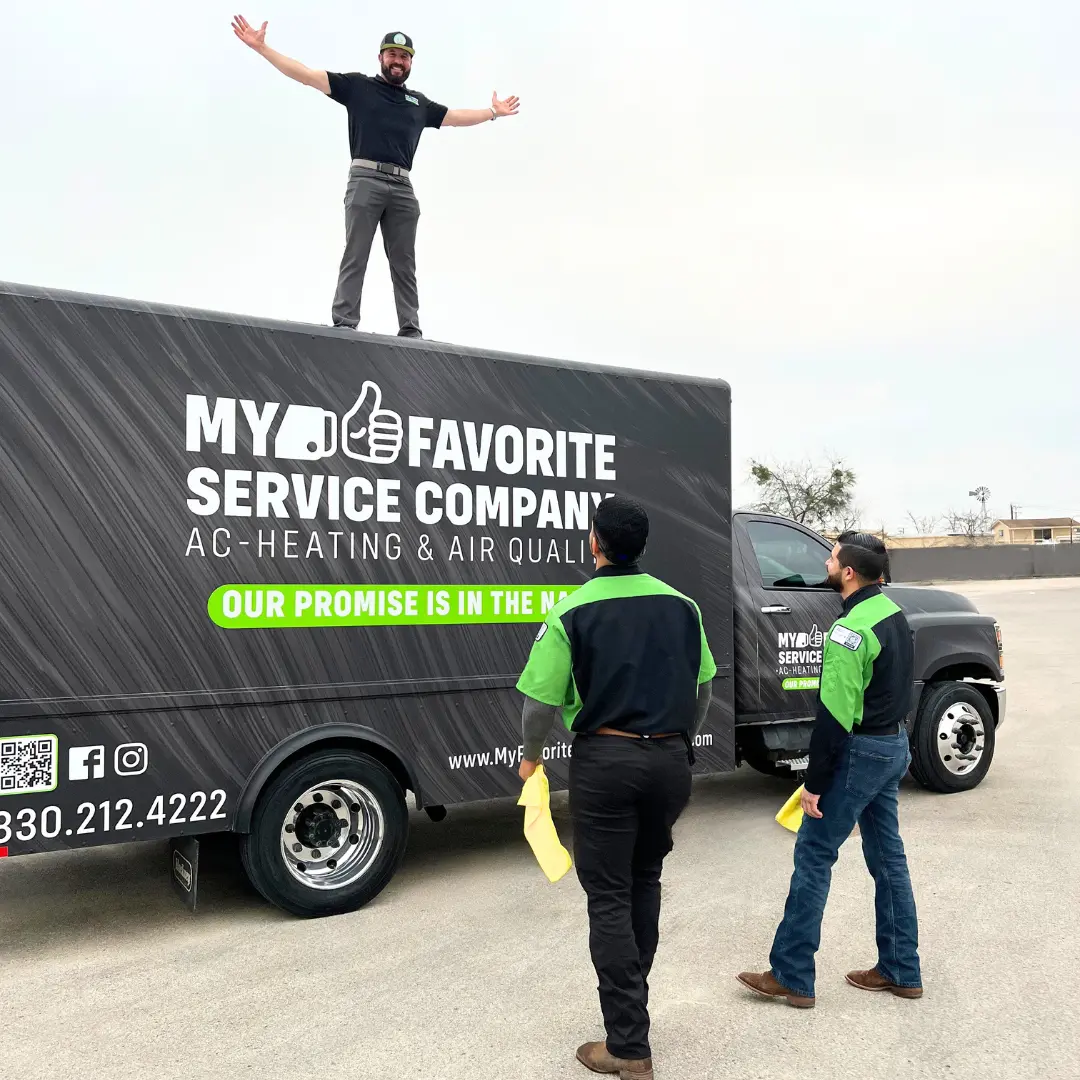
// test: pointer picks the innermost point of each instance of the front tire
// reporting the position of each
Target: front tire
(953, 741)
(327, 835)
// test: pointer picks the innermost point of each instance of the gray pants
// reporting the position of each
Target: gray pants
(374, 199)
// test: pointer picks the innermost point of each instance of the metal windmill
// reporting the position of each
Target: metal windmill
(983, 495)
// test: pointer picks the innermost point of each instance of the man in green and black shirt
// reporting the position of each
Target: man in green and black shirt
(858, 755)
(626, 660)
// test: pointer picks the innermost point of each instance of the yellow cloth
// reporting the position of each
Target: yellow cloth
(790, 815)
(553, 858)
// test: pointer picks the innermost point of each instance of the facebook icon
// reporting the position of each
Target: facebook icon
(86, 762)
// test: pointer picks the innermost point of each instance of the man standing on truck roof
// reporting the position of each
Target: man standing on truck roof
(626, 659)
(858, 755)
(385, 124)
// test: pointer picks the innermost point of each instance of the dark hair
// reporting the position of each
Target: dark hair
(621, 527)
(865, 553)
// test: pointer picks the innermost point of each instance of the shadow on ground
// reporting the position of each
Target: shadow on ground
(53, 900)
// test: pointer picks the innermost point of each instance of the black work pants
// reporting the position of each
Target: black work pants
(625, 796)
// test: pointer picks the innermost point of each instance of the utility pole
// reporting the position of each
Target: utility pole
(1012, 511)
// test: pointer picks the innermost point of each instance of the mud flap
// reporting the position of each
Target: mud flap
(184, 868)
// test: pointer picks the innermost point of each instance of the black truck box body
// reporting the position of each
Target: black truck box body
(205, 519)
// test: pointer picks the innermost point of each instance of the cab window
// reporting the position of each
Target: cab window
(786, 557)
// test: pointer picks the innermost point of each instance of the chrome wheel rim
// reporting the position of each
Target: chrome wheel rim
(961, 738)
(332, 834)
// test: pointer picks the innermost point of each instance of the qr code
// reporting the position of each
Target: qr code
(27, 764)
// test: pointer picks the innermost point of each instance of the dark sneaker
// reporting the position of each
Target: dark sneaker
(595, 1057)
(766, 986)
(875, 983)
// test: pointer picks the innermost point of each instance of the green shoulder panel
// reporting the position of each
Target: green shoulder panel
(610, 588)
(847, 663)
(870, 612)
(548, 675)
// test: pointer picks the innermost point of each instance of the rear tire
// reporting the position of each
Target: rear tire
(953, 741)
(327, 835)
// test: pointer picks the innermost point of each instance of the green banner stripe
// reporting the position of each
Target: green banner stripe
(801, 684)
(237, 607)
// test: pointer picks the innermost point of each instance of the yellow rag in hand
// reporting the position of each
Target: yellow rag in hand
(790, 815)
(553, 858)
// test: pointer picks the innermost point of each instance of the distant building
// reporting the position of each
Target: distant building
(1036, 530)
(940, 540)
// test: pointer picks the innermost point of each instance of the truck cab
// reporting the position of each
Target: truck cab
(783, 608)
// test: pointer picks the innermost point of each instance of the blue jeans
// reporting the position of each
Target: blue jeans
(864, 789)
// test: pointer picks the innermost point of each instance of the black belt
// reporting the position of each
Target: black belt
(684, 735)
(604, 730)
(892, 729)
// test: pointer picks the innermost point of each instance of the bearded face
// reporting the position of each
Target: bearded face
(395, 64)
(834, 571)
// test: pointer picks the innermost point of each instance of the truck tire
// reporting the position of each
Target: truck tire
(327, 835)
(952, 744)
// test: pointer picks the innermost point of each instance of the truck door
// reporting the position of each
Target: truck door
(787, 610)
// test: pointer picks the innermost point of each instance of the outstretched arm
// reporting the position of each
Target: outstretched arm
(472, 117)
(256, 39)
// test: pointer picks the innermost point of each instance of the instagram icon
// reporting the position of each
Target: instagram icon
(130, 759)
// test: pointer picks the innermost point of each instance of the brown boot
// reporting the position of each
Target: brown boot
(872, 981)
(595, 1056)
(766, 986)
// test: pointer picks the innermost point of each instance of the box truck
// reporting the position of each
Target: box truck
(280, 579)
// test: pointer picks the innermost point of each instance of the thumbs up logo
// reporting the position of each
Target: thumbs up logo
(369, 432)
(811, 640)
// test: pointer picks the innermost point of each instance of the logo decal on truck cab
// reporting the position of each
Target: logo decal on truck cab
(809, 640)
(798, 657)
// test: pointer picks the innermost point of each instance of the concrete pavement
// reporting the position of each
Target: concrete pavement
(470, 966)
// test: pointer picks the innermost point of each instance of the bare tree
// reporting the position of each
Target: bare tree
(820, 496)
(883, 532)
(925, 525)
(848, 517)
(973, 525)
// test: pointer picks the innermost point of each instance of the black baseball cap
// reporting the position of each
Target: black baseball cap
(397, 40)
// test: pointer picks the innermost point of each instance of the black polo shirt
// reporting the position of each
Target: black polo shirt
(624, 651)
(385, 121)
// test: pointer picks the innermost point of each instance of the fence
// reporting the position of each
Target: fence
(998, 561)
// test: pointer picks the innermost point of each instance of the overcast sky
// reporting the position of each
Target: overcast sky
(865, 217)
